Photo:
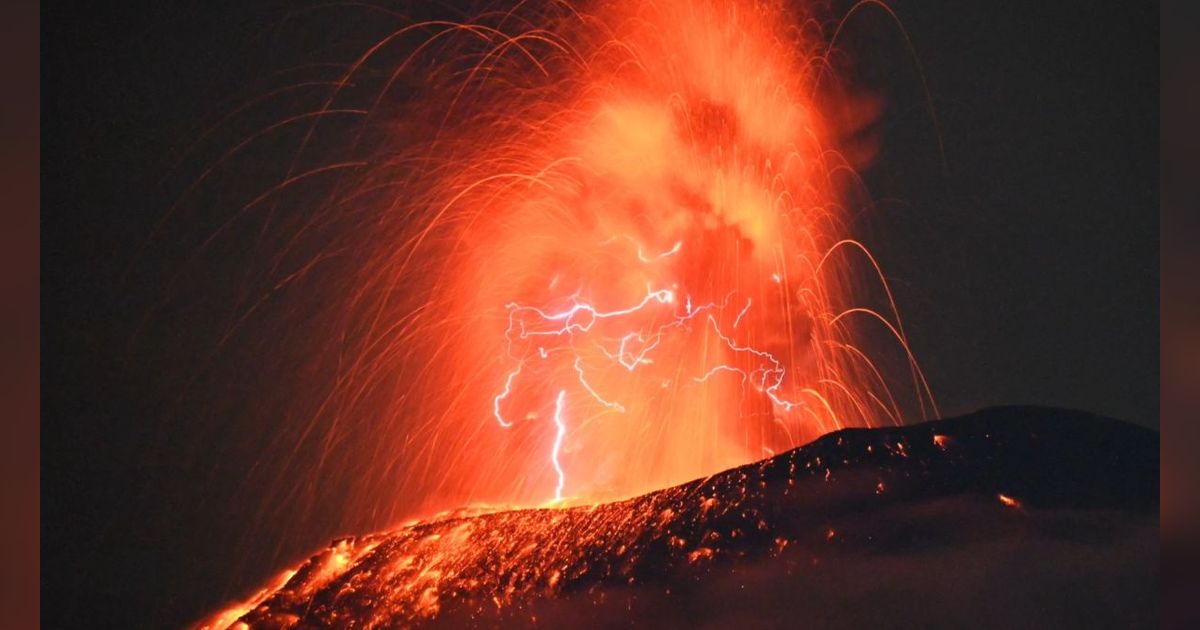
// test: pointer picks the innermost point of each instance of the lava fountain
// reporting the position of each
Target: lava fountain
(619, 258)
(643, 271)
(584, 252)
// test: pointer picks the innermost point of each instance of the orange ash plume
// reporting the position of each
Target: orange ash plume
(615, 255)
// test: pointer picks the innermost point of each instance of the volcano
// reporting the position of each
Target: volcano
(1012, 516)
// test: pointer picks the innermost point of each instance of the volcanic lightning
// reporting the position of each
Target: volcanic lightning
(577, 252)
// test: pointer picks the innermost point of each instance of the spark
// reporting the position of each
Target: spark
(1007, 500)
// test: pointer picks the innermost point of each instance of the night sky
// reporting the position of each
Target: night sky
(1023, 253)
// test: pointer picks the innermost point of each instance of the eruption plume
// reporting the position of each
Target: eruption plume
(573, 253)
(642, 257)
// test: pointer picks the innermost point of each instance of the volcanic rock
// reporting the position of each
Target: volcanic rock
(1008, 517)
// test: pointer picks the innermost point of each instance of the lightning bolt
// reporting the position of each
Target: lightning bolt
(558, 440)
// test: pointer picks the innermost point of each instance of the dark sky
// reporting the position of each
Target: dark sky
(1024, 253)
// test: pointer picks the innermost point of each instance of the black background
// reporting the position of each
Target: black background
(1024, 253)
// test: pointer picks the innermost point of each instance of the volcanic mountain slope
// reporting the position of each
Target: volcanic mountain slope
(1013, 516)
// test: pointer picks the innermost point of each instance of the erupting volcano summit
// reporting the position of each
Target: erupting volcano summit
(603, 250)
(943, 524)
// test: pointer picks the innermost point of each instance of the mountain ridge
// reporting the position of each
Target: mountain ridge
(1033, 477)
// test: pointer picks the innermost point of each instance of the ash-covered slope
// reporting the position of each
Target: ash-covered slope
(1009, 516)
